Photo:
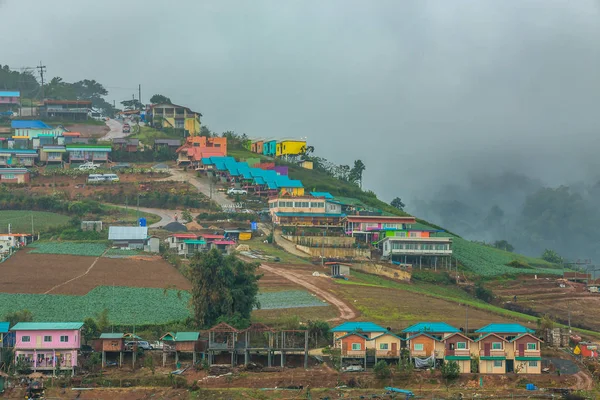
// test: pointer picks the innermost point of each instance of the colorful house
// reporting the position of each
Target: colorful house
(353, 345)
(526, 351)
(306, 211)
(48, 345)
(14, 175)
(174, 116)
(70, 137)
(461, 349)
(507, 331)
(88, 152)
(423, 345)
(417, 250)
(33, 129)
(257, 146)
(9, 100)
(197, 148)
(52, 154)
(306, 164)
(386, 345)
(493, 354)
(4, 334)
(18, 157)
(367, 329)
(289, 147)
(270, 148)
(176, 239)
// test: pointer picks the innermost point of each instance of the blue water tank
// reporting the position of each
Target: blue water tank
(253, 226)
(142, 221)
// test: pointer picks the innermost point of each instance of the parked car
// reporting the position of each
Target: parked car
(111, 177)
(157, 344)
(140, 344)
(95, 178)
(88, 166)
(126, 128)
(235, 191)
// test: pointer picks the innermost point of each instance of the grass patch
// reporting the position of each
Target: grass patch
(277, 317)
(270, 250)
(148, 135)
(127, 216)
(20, 221)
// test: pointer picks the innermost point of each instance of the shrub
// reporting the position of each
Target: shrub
(440, 278)
(483, 294)
(382, 370)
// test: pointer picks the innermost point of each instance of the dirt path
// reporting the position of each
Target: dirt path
(166, 216)
(78, 276)
(288, 246)
(346, 312)
(202, 184)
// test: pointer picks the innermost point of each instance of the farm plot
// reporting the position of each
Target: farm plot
(289, 299)
(125, 305)
(20, 221)
(93, 249)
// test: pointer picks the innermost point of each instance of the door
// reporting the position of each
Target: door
(487, 349)
(510, 366)
(394, 349)
(488, 366)
(521, 349)
(344, 348)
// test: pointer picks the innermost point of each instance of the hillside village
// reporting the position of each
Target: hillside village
(349, 284)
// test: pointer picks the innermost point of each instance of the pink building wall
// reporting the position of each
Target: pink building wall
(37, 339)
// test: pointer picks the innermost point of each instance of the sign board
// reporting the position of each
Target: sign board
(253, 226)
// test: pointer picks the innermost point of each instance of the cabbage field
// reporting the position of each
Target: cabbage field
(93, 249)
(129, 305)
(489, 261)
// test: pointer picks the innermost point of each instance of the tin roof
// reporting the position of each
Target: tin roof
(186, 336)
(4, 327)
(127, 233)
(9, 93)
(358, 326)
(26, 124)
(504, 328)
(112, 336)
(431, 327)
(46, 326)
(194, 242)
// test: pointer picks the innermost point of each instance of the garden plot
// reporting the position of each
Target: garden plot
(92, 249)
(289, 299)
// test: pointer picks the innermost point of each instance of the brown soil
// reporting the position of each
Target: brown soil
(38, 273)
(89, 131)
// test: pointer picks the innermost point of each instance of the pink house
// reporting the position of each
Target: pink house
(48, 345)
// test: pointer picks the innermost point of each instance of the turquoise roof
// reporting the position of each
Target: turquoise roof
(326, 195)
(112, 336)
(18, 151)
(4, 327)
(194, 242)
(423, 334)
(504, 328)
(186, 336)
(358, 326)
(431, 327)
(47, 326)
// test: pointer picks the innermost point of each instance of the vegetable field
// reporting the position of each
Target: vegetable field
(118, 253)
(20, 221)
(92, 249)
(488, 261)
(129, 305)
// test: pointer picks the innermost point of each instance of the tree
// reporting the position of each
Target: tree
(102, 320)
(355, 175)
(342, 172)
(503, 245)
(397, 203)
(133, 104)
(90, 330)
(450, 371)
(382, 370)
(160, 99)
(204, 131)
(552, 256)
(18, 316)
(222, 286)
(186, 216)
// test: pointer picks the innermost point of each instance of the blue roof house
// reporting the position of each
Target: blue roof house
(507, 331)
(34, 129)
(368, 329)
(431, 328)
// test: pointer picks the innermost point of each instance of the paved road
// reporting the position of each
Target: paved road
(202, 184)
(166, 216)
(115, 132)
(288, 246)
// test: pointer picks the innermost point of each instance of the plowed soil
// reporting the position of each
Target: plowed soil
(38, 273)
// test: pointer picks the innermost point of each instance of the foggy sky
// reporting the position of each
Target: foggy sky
(423, 92)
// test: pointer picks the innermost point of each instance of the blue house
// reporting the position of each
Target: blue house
(270, 148)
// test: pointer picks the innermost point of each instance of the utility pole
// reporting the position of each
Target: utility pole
(140, 94)
(467, 319)
(32, 231)
(42, 69)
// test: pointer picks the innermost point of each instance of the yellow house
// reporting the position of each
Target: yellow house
(386, 345)
(290, 147)
(493, 354)
(178, 117)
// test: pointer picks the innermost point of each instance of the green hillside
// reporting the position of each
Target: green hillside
(475, 258)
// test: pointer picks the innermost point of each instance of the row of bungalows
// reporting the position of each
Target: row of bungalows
(256, 180)
(187, 244)
(278, 148)
(499, 348)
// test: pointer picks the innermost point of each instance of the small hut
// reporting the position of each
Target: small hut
(181, 342)
(112, 343)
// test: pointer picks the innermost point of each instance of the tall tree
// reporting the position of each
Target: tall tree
(397, 203)
(356, 172)
(222, 286)
(133, 104)
(204, 131)
(160, 99)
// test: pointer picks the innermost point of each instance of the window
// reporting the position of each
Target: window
(496, 346)
(383, 346)
(533, 363)
(355, 346)
(47, 339)
(289, 204)
(26, 339)
(8, 176)
(461, 345)
(497, 363)
(413, 234)
(418, 347)
(64, 339)
(531, 346)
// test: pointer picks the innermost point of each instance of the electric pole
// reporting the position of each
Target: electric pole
(140, 94)
(42, 69)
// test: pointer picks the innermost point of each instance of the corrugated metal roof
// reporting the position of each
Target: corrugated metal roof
(127, 233)
(186, 336)
(4, 327)
(13, 171)
(19, 151)
(25, 124)
(431, 327)
(309, 215)
(194, 242)
(112, 336)
(46, 326)
(7, 93)
(358, 326)
(504, 328)
(326, 195)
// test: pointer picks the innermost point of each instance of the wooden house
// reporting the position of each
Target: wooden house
(182, 342)
(367, 329)
(424, 345)
(222, 338)
(493, 354)
(128, 145)
(461, 349)
(525, 349)
(112, 343)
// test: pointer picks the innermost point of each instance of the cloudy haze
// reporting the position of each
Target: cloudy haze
(423, 92)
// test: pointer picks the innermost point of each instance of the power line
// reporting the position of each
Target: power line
(42, 69)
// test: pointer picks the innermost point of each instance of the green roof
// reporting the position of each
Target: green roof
(458, 358)
(112, 336)
(528, 358)
(186, 336)
(194, 242)
(46, 326)
(492, 358)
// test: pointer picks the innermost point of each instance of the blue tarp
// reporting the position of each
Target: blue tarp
(29, 125)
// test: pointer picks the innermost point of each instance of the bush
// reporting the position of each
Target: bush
(382, 370)
(450, 371)
(439, 278)
(483, 294)
(552, 256)
(519, 264)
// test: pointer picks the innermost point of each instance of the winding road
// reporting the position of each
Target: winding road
(115, 132)
(166, 216)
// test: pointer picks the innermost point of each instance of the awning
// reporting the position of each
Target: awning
(458, 358)
(528, 358)
(495, 358)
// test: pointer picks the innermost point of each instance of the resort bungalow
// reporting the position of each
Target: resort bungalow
(526, 351)
(72, 137)
(176, 239)
(14, 175)
(52, 154)
(17, 157)
(257, 146)
(507, 331)
(182, 342)
(112, 343)
(306, 211)
(493, 355)
(431, 251)
(270, 148)
(88, 152)
(133, 237)
(191, 246)
(440, 329)
(423, 345)
(460, 348)
(290, 147)
(196, 148)
(387, 345)
(48, 345)
(367, 329)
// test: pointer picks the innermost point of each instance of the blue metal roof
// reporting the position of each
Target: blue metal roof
(18, 151)
(6, 93)
(4, 325)
(18, 124)
(206, 161)
(431, 327)
(423, 334)
(504, 328)
(327, 195)
(358, 326)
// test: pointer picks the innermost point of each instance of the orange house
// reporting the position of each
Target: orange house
(257, 146)
(354, 345)
(423, 345)
(196, 148)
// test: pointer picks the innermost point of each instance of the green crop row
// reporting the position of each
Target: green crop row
(69, 248)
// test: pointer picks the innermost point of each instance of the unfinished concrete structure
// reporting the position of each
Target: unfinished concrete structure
(222, 338)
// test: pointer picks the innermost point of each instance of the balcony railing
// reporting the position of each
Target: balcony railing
(354, 353)
(492, 353)
(387, 353)
(419, 251)
(528, 353)
(458, 352)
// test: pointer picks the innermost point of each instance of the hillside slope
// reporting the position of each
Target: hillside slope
(477, 259)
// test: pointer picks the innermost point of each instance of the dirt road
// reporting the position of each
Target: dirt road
(166, 216)
(202, 184)
(346, 312)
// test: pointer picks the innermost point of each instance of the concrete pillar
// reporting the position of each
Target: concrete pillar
(54, 363)
(120, 359)
(305, 349)
(282, 358)
(176, 358)
(133, 355)
(194, 357)
(164, 358)
(103, 359)
(232, 357)
(34, 361)
(269, 356)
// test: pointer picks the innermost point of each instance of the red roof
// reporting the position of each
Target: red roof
(380, 218)
(71, 134)
(224, 242)
(185, 235)
(212, 236)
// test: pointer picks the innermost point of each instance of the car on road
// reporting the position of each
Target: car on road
(142, 344)
(234, 191)
(88, 166)
(126, 128)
